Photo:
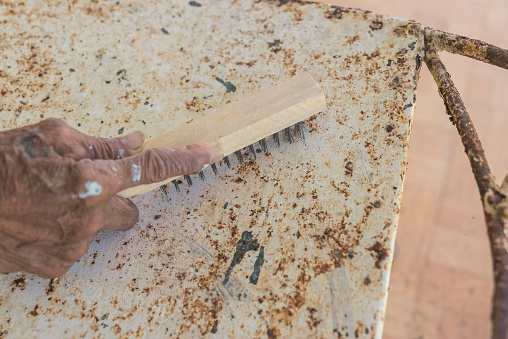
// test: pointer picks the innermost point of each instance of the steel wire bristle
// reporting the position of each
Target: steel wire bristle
(252, 151)
(214, 168)
(302, 132)
(239, 156)
(288, 135)
(276, 139)
(226, 160)
(262, 143)
(298, 129)
(175, 183)
(164, 192)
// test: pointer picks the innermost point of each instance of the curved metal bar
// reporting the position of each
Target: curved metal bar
(493, 196)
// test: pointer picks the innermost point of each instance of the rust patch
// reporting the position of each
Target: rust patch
(335, 12)
(379, 253)
(293, 302)
(376, 25)
(323, 267)
(273, 333)
(312, 321)
(309, 216)
(203, 314)
(35, 311)
(239, 180)
(19, 283)
(51, 286)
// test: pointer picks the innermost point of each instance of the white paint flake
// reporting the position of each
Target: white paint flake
(93, 188)
(136, 172)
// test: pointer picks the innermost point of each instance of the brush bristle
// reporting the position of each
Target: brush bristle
(289, 133)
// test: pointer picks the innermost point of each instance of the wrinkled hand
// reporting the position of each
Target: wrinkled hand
(58, 189)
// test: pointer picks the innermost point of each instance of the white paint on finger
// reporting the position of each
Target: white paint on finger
(136, 172)
(206, 165)
(121, 153)
(93, 189)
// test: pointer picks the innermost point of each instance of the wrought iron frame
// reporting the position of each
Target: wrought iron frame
(493, 196)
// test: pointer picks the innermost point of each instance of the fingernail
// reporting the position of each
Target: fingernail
(134, 140)
(216, 157)
(217, 154)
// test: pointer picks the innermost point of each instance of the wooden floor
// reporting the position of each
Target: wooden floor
(441, 282)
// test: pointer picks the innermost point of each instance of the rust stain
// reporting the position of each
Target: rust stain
(309, 208)
(201, 313)
(379, 253)
(18, 283)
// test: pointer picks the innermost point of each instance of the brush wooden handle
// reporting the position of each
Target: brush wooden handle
(246, 121)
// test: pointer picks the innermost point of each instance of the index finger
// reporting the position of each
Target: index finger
(156, 165)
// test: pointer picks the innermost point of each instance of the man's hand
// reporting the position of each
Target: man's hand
(58, 189)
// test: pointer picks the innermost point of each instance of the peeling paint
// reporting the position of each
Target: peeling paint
(245, 244)
(136, 172)
(93, 189)
(316, 209)
(260, 260)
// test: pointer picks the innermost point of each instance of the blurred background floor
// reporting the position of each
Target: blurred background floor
(441, 282)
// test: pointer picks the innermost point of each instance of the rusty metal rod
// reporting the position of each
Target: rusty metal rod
(460, 118)
(494, 197)
(472, 48)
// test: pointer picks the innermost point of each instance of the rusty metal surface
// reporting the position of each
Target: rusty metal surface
(476, 49)
(494, 197)
(298, 243)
